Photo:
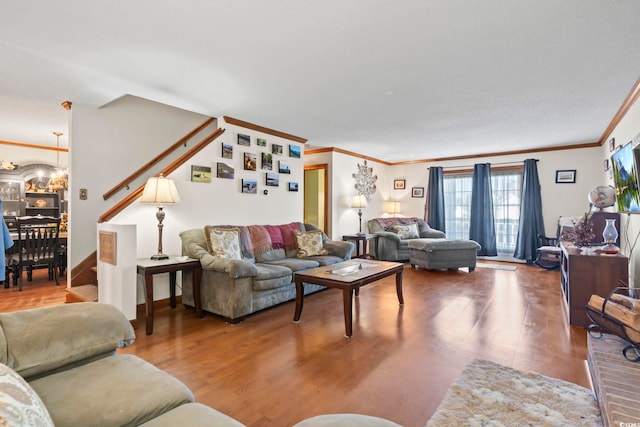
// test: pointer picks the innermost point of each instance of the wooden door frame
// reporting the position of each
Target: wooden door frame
(325, 167)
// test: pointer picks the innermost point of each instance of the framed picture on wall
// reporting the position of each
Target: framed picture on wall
(108, 247)
(399, 184)
(294, 151)
(244, 140)
(250, 161)
(272, 179)
(224, 170)
(249, 186)
(227, 151)
(200, 173)
(417, 192)
(567, 176)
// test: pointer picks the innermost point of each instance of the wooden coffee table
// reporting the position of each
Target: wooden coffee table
(348, 276)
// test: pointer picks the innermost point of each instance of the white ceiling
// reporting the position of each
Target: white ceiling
(395, 80)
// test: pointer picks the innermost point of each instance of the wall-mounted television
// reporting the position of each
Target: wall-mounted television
(626, 163)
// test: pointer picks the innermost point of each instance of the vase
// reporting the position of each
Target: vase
(610, 235)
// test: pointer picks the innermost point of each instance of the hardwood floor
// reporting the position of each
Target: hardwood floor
(269, 371)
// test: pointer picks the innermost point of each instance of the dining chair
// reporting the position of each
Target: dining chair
(37, 247)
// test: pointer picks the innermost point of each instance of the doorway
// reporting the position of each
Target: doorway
(316, 187)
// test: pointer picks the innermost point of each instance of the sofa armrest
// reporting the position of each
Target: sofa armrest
(235, 268)
(44, 339)
(432, 234)
(388, 235)
(339, 248)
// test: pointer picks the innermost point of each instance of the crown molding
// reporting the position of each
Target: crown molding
(263, 129)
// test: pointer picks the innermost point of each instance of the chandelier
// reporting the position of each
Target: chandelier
(59, 179)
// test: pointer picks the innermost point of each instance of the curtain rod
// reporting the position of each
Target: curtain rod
(492, 164)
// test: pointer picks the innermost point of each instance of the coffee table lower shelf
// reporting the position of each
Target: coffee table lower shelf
(348, 276)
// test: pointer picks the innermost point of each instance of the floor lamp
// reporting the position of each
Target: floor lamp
(359, 202)
(160, 190)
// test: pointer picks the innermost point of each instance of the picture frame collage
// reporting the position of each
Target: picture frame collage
(272, 162)
(401, 184)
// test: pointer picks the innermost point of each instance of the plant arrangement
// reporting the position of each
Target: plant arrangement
(582, 234)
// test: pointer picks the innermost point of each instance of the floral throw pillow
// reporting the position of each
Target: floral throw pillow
(407, 231)
(21, 406)
(223, 242)
(309, 243)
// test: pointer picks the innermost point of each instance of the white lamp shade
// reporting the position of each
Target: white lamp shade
(393, 208)
(160, 190)
(359, 202)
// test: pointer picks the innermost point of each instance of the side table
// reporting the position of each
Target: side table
(362, 240)
(148, 268)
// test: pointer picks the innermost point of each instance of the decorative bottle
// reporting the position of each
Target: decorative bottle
(610, 235)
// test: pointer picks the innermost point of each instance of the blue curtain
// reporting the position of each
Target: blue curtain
(531, 221)
(435, 202)
(482, 228)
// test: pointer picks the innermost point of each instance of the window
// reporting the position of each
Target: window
(506, 186)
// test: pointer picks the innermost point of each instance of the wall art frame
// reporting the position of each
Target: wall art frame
(107, 241)
(417, 192)
(200, 173)
(399, 184)
(566, 176)
(244, 140)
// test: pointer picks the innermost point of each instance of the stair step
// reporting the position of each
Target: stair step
(82, 293)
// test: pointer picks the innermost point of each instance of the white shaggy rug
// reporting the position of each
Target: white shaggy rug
(487, 394)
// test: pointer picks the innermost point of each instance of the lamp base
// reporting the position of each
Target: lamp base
(158, 257)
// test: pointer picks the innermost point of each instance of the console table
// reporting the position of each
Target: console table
(584, 274)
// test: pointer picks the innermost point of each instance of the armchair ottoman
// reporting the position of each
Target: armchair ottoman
(442, 253)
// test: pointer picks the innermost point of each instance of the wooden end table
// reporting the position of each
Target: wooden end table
(363, 239)
(148, 268)
(348, 276)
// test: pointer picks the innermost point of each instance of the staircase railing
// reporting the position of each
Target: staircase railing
(182, 141)
(118, 207)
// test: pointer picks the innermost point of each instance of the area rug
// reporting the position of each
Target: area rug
(488, 394)
(496, 266)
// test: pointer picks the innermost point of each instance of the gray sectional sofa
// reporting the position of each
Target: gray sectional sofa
(391, 245)
(411, 239)
(59, 367)
(235, 288)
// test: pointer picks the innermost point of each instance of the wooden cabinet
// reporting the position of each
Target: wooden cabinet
(46, 204)
(585, 274)
(12, 196)
(26, 191)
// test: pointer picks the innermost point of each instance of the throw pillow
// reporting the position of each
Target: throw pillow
(223, 242)
(408, 231)
(21, 406)
(309, 243)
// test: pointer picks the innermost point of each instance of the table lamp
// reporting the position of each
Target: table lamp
(359, 202)
(160, 190)
(393, 208)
